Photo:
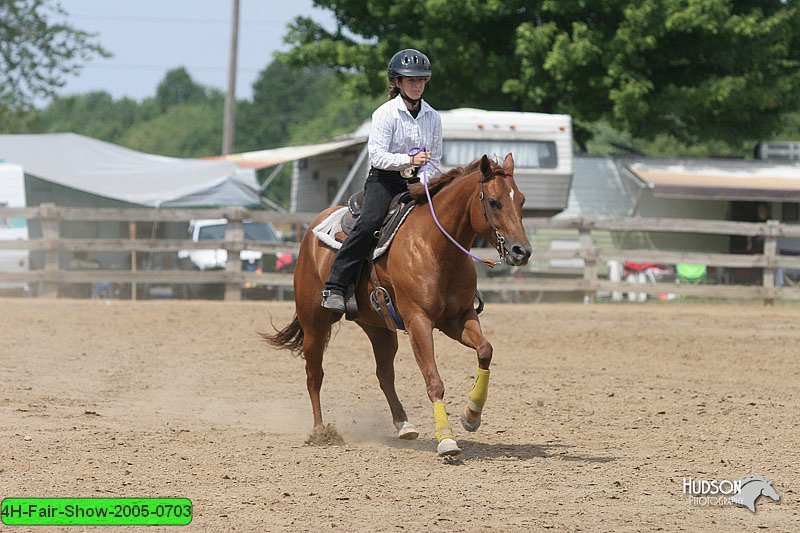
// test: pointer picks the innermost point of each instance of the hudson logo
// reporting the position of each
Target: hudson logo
(742, 492)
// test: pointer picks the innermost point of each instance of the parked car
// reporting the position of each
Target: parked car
(251, 260)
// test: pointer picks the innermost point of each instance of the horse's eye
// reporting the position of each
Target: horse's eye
(494, 204)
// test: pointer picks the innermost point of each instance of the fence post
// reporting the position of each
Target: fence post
(234, 235)
(770, 251)
(51, 232)
(589, 254)
(134, 259)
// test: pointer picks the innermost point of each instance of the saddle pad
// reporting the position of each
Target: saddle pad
(326, 231)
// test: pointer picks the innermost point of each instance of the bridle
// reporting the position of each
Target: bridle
(500, 245)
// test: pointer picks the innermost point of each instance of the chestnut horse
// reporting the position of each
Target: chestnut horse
(431, 283)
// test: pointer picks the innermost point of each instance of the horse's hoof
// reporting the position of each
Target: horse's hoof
(407, 431)
(448, 447)
(470, 425)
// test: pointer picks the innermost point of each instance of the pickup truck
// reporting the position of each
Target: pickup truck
(252, 260)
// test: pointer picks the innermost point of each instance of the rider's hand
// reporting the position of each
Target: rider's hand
(421, 158)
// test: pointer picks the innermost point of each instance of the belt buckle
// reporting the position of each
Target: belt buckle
(408, 172)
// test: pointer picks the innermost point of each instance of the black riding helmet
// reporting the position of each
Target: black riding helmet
(409, 63)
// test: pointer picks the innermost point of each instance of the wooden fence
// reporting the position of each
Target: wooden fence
(589, 283)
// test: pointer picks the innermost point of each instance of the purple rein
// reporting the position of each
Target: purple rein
(424, 179)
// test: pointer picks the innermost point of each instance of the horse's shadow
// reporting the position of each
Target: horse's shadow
(476, 450)
(524, 452)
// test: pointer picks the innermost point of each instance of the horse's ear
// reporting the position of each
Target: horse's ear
(486, 167)
(508, 164)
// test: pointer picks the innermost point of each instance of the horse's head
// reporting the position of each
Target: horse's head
(501, 211)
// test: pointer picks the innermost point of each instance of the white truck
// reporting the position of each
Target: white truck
(216, 259)
(12, 194)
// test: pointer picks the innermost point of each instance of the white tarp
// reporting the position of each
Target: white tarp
(286, 154)
(112, 171)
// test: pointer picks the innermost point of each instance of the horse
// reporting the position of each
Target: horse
(752, 488)
(431, 283)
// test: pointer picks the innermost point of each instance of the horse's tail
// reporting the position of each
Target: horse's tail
(290, 337)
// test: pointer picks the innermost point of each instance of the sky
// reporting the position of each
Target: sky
(150, 37)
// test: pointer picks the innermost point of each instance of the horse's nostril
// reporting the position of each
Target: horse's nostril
(520, 252)
(519, 255)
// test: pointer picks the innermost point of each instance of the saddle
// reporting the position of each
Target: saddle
(400, 205)
(380, 299)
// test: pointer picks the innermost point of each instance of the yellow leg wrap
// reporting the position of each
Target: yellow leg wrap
(443, 430)
(479, 392)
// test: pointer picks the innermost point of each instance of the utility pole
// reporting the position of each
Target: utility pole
(229, 124)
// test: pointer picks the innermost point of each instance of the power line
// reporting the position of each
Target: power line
(171, 20)
(201, 68)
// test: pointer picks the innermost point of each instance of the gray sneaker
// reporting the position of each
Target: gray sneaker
(334, 301)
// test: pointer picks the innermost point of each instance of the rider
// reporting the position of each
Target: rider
(399, 126)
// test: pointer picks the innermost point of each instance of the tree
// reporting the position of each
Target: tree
(95, 114)
(692, 69)
(177, 88)
(298, 106)
(470, 44)
(38, 51)
(186, 130)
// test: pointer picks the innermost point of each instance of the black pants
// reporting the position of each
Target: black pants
(381, 186)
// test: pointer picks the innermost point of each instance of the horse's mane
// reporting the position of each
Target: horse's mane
(436, 184)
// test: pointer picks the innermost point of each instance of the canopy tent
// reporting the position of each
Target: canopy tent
(107, 170)
(277, 156)
(719, 180)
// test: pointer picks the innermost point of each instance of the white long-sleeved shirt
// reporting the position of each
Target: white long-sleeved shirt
(394, 132)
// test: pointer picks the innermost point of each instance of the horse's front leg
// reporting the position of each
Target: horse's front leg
(466, 329)
(420, 332)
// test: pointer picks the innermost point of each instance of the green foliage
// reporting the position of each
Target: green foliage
(470, 44)
(338, 116)
(693, 71)
(178, 88)
(605, 140)
(95, 114)
(185, 130)
(184, 119)
(299, 106)
(38, 51)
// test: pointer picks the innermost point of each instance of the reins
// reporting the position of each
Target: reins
(501, 248)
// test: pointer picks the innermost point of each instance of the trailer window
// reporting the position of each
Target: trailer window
(527, 154)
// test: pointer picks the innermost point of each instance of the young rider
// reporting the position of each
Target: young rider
(400, 125)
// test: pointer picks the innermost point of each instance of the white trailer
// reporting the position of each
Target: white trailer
(12, 194)
(541, 144)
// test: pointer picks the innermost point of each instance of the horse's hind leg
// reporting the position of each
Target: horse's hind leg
(384, 345)
(316, 333)
(466, 329)
(313, 349)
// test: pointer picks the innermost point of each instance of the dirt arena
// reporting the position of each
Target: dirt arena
(596, 413)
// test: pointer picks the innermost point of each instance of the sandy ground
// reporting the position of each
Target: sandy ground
(595, 415)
